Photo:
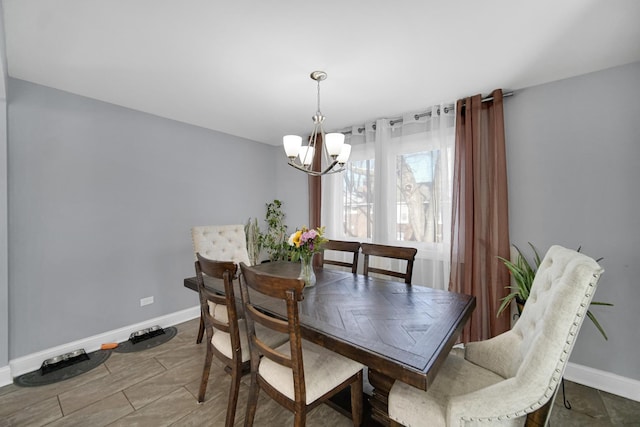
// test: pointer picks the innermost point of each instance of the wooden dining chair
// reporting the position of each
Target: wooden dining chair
(342, 246)
(299, 375)
(394, 252)
(221, 243)
(226, 333)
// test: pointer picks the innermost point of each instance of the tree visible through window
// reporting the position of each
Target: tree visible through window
(417, 218)
(416, 198)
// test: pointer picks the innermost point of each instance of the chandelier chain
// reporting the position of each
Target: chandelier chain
(318, 111)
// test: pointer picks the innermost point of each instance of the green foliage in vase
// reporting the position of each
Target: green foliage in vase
(523, 274)
(274, 240)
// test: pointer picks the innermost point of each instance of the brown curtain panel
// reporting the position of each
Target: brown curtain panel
(480, 223)
(315, 194)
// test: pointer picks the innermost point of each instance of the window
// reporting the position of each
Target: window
(396, 189)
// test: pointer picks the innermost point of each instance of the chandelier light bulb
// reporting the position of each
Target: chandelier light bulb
(334, 142)
(292, 144)
(306, 155)
(343, 157)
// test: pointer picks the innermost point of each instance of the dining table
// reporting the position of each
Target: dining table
(401, 332)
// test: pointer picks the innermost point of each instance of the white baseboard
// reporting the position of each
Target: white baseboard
(602, 380)
(5, 376)
(33, 361)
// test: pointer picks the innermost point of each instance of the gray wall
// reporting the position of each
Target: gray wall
(573, 152)
(101, 201)
(292, 190)
(4, 277)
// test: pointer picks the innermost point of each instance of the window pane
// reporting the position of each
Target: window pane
(358, 198)
(416, 218)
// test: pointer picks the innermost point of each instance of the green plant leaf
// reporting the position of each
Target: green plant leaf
(506, 301)
(601, 303)
(597, 324)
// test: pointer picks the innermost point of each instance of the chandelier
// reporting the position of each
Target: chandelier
(335, 152)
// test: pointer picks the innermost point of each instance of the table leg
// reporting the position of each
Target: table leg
(379, 400)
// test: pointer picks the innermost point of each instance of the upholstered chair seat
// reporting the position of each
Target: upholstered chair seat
(324, 370)
(456, 377)
(501, 380)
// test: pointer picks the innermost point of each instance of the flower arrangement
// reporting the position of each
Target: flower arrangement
(305, 242)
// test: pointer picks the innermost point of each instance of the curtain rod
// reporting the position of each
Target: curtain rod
(490, 98)
(428, 113)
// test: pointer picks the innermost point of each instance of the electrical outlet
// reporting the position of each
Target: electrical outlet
(146, 301)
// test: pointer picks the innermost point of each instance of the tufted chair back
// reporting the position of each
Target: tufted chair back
(557, 305)
(221, 243)
(535, 352)
(512, 376)
(558, 302)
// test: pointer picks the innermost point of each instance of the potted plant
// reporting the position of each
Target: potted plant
(274, 240)
(523, 274)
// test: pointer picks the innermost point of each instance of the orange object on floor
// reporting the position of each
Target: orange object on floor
(109, 346)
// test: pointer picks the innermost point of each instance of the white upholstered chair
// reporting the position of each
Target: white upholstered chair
(501, 380)
(219, 243)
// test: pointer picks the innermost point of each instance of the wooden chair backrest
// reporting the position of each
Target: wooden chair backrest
(395, 252)
(344, 246)
(289, 290)
(226, 271)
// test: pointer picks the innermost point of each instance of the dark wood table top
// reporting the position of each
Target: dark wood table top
(402, 331)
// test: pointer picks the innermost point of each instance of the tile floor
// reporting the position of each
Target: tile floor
(157, 387)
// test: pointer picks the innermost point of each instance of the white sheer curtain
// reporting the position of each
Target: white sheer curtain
(397, 189)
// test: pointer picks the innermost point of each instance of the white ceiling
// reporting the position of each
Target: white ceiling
(242, 67)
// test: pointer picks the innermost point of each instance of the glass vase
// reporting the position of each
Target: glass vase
(306, 271)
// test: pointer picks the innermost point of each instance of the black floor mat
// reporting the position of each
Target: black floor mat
(130, 347)
(36, 378)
